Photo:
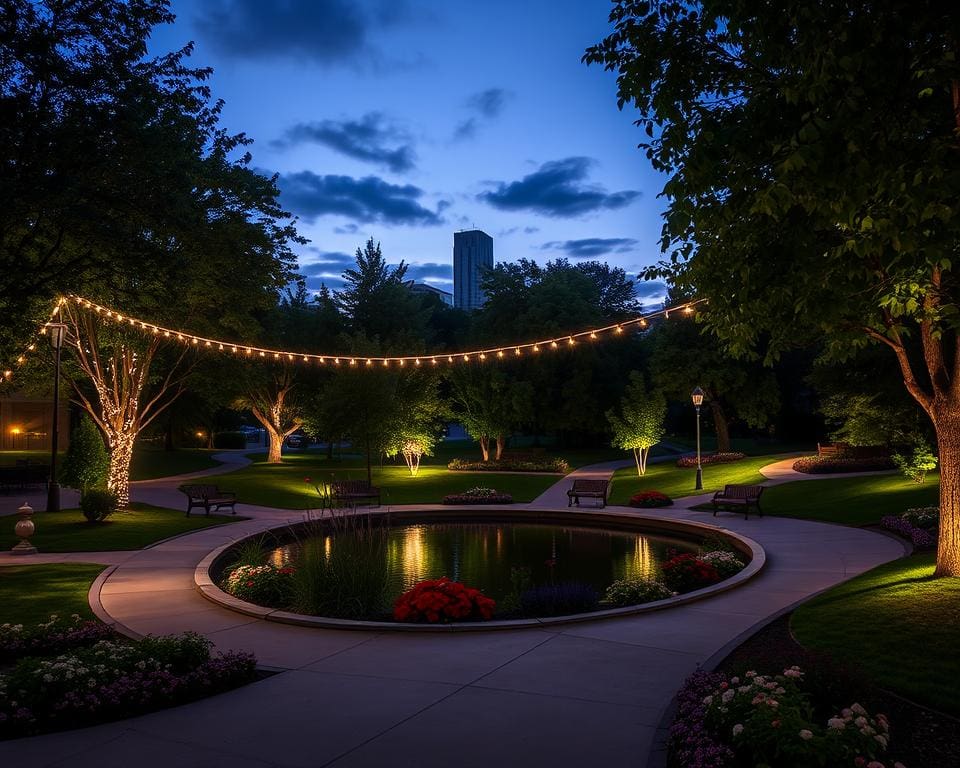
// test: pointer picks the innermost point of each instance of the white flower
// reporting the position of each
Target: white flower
(806, 735)
(737, 729)
(836, 724)
(734, 681)
(708, 700)
(728, 695)
(858, 709)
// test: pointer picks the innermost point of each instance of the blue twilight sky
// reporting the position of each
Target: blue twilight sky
(405, 121)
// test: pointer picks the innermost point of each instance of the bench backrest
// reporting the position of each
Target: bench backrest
(590, 486)
(832, 449)
(200, 491)
(742, 491)
(351, 486)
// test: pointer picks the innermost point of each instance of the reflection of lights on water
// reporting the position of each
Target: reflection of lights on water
(280, 557)
(413, 554)
(640, 563)
(327, 546)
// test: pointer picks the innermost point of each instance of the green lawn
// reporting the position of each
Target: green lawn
(150, 463)
(29, 594)
(283, 485)
(675, 482)
(898, 624)
(68, 530)
(850, 500)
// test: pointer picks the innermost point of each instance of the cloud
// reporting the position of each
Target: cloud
(368, 139)
(650, 289)
(557, 189)
(488, 105)
(369, 199)
(320, 263)
(431, 271)
(591, 247)
(346, 229)
(326, 32)
(531, 230)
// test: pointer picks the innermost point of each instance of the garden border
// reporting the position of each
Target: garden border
(209, 590)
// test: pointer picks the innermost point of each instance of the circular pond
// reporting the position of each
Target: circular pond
(504, 559)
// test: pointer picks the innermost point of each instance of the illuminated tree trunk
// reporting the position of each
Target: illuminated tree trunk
(948, 544)
(485, 447)
(270, 406)
(501, 444)
(118, 365)
(640, 455)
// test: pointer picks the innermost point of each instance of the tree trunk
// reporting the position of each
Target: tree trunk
(947, 423)
(501, 444)
(636, 458)
(721, 426)
(640, 455)
(118, 477)
(274, 454)
(485, 447)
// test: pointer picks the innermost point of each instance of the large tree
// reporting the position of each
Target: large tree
(638, 423)
(813, 154)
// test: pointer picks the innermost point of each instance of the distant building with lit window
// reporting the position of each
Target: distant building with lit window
(431, 290)
(472, 255)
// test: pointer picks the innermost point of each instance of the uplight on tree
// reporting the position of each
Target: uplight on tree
(638, 423)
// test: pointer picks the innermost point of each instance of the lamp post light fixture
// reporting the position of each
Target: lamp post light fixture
(697, 397)
(57, 332)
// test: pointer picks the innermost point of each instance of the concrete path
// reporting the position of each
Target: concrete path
(585, 694)
(783, 472)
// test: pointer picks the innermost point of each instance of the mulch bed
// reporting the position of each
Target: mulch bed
(920, 736)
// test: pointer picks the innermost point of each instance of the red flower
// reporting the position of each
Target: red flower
(437, 600)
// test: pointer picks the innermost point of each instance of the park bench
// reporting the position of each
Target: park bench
(738, 496)
(832, 450)
(351, 491)
(209, 497)
(588, 489)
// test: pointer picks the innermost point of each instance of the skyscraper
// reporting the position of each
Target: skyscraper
(472, 253)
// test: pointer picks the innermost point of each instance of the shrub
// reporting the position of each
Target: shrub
(687, 572)
(97, 504)
(528, 464)
(479, 496)
(918, 463)
(559, 599)
(635, 591)
(768, 720)
(648, 499)
(689, 462)
(921, 538)
(726, 563)
(86, 463)
(825, 465)
(114, 679)
(57, 635)
(927, 518)
(261, 584)
(229, 440)
(442, 600)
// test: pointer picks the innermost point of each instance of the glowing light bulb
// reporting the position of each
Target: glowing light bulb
(553, 344)
(499, 353)
(466, 358)
(593, 335)
(536, 347)
(418, 361)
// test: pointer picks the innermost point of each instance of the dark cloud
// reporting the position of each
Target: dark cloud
(346, 229)
(325, 32)
(489, 103)
(557, 189)
(370, 199)
(531, 230)
(320, 263)
(650, 289)
(372, 138)
(433, 271)
(591, 247)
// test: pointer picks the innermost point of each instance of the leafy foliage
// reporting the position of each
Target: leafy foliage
(86, 463)
(638, 425)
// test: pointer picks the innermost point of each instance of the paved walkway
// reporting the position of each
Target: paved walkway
(584, 694)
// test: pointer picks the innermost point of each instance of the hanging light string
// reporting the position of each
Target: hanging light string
(253, 352)
(7, 375)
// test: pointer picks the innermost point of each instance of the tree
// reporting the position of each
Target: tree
(638, 425)
(417, 419)
(491, 404)
(271, 397)
(812, 155)
(683, 357)
(87, 461)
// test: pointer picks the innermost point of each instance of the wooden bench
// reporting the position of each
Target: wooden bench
(588, 489)
(350, 491)
(209, 497)
(738, 496)
(832, 450)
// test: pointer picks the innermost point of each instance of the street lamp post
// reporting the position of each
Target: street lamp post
(58, 332)
(697, 397)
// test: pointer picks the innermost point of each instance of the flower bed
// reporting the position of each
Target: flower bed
(261, 584)
(442, 600)
(919, 524)
(625, 592)
(57, 635)
(649, 499)
(690, 462)
(114, 679)
(727, 564)
(546, 464)
(768, 720)
(479, 496)
(825, 465)
(687, 572)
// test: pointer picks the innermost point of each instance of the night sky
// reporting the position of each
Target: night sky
(405, 121)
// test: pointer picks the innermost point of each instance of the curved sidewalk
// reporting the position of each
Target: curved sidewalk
(582, 694)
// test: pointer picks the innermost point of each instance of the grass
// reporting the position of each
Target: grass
(282, 485)
(141, 525)
(896, 623)
(668, 478)
(850, 500)
(151, 463)
(29, 594)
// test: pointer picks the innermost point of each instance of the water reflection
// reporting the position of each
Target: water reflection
(484, 554)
